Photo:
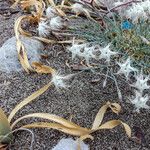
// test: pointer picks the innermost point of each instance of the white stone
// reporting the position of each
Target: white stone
(70, 144)
(9, 57)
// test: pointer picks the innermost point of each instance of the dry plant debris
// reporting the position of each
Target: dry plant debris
(53, 23)
(7, 126)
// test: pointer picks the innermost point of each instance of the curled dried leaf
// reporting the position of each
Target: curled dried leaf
(110, 124)
(114, 123)
(23, 57)
(28, 100)
(67, 130)
(116, 108)
(54, 118)
(17, 27)
(40, 68)
(20, 47)
(82, 138)
(100, 115)
(72, 128)
(127, 129)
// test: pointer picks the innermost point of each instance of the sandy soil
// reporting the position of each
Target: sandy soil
(82, 101)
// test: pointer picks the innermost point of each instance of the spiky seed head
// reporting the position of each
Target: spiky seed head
(43, 28)
(140, 101)
(126, 68)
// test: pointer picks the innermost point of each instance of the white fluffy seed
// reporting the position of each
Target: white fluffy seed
(44, 29)
(77, 8)
(58, 23)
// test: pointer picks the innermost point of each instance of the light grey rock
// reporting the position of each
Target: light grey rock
(9, 57)
(69, 144)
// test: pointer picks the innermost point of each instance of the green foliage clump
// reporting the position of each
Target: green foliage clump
(128, 42)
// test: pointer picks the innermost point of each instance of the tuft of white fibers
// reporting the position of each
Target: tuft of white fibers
(58, 23)
(89, 52)
(141, 82)
(70, 144)
(77, 8)
(9, 56)
(76, 49)
(82, 51)
(126, 68)
(51, 12)
(138, 11)
(140, 101)
(106, 53)
(44, 29)
(60, 81)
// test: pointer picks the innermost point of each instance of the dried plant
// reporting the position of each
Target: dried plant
(60, 124)
(7, 126)
(109, 33)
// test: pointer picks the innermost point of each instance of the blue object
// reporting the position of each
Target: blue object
(126, 25)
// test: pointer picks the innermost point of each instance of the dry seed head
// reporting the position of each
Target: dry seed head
(60, 80)
(58, 23)
(77, 8)
(51, 12)
(106, 53)
(126, 68)
(76, 49)
(89, 53)
(141, 82)
(140, 101)
(43, 28)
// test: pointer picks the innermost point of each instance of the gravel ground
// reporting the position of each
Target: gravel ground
(82, 101)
